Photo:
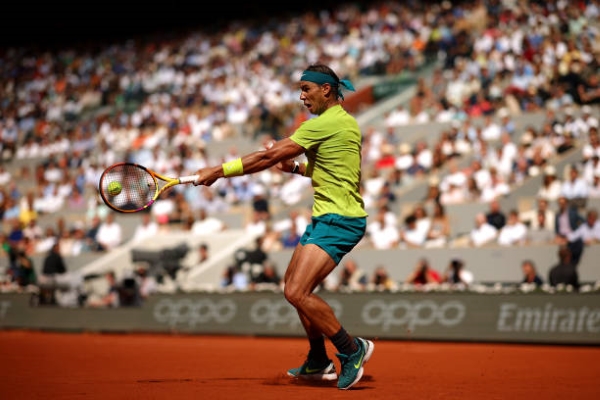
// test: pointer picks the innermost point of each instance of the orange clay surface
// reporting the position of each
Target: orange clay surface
(42, 365)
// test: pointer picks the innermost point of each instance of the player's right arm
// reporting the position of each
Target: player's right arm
(283, 152)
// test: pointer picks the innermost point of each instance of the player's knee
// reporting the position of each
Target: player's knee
(294, 295)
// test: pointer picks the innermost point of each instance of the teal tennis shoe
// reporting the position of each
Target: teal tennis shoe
(313, 371)
(352, 365)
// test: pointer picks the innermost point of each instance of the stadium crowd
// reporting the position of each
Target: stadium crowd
(67, 115)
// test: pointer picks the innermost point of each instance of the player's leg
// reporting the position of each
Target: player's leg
(318, 365)
(310, 265)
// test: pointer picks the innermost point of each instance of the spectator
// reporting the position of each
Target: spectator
(514, 232)
(109, 234)
(352, 278)
(483, 232)
(575, 188)
(239, 278)
(565, 271)
(423, 274)
(382, 233)
(594, 187)
(260, 201)
(411, 235)
(146, 283)
(381, 280)
(164, 207)
(268, 276)
(495, 216)
(530, 275)
(256, 225)
(227, 278)
(110, 298)
(25, 269)
(54, 264)
(256, 255)
(206, 225)
(423, 220)
(54, 270)
(531, 217)
(203, 253)
(498, 187)
(541, 233)
(33, 230)
(567, 221)
(592, 147)
(272, 239)
(290, 238)
(551, 185)
(589, 231)
(146, 229)
(92, 233)
(588, 90)
(456, 274)
(48, 239)
(440, 230)
(591, 168)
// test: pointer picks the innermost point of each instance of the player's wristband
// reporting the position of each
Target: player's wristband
(233, 168)
(296, 167)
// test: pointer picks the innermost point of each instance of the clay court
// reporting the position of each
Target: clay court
(51, 365)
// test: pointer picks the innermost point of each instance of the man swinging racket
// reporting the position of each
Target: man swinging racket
(332, 145)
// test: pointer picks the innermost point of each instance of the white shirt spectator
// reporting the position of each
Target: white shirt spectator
(550, 190)
(383, 236)
(594, 188)
(574, 189)
(256, 226)
(109, 233)
(5, 176)
(513, 233)
(51, 202)
(453, 195)
(591, 168)
(207, 226)
(398, 117)
(148, 228)
(491, 131)
(405, 159)
(162, 208)
(483, 232)
(589, 231)
(483, 178)
(456, 177)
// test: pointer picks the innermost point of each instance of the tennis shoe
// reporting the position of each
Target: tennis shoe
(352, 365)
(313, 371)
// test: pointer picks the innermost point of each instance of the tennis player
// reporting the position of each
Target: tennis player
(332, 144)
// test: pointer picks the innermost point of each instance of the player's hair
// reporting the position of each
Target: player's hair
(327, 70)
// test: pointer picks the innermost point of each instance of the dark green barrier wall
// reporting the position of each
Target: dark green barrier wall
(538, 318)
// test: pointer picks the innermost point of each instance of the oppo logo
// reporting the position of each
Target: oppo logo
(280, 313)
(413, 314)
(194, 312)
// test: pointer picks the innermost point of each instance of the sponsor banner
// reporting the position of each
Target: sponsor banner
(537, 318)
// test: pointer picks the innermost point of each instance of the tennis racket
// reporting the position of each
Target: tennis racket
(129, 187)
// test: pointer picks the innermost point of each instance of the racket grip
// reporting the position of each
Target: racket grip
(188, 179)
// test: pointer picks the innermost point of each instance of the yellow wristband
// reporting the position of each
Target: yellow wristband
(233, 168)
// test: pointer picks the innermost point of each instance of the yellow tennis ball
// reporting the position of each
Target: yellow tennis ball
(114, 188)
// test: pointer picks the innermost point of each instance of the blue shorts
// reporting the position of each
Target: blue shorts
(335, 234)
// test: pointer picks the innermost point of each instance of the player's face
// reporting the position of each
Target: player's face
(313, 97)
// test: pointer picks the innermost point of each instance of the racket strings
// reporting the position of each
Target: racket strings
(138, 187)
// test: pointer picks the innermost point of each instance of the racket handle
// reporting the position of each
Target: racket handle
(188, 179)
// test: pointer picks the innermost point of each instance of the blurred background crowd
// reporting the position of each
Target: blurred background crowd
(178, 101)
